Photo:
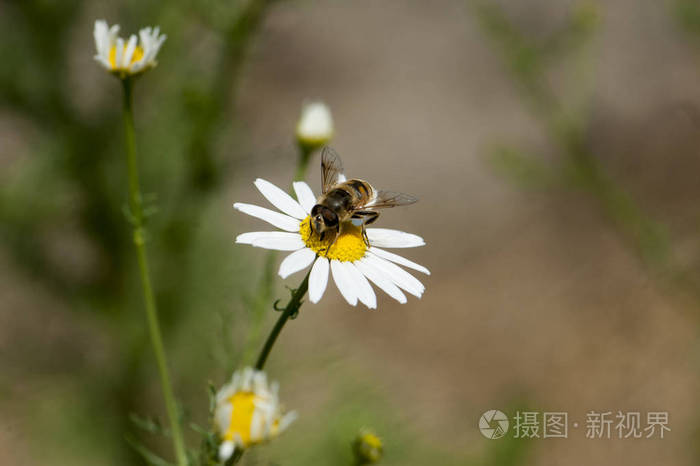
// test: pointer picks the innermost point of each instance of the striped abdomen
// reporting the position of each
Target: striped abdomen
(348, 195)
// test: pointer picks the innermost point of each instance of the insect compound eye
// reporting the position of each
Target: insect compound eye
(330, 217)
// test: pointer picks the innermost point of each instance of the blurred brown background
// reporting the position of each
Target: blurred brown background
(561, 227)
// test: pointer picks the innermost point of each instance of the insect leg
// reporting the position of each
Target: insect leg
(335, 237)
(368, 217)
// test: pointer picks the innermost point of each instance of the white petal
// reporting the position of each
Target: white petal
(256, 425)
(292, 242)
(226, 450)
(318, 280)
(363, 289)
(296, 261)
(259, 382)
(119, 55)
(281, 221)
(225, 392)
(380, 280)
(247, 379)
(158, 42)
(399, 260)
(386, 238)
(287, 419)
(280, 199)
(109, 38)
(147, 45)
(100, 34)
(397, 275)
(103, 62)
(130, 48)
(222, 414)
(305, 195)
(344, 282)
(249, 238)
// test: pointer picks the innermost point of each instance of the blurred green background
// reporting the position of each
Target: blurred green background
(553, 145)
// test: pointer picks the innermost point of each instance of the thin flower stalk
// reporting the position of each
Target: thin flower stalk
(290, 310)
(137, 220)
(303, 163)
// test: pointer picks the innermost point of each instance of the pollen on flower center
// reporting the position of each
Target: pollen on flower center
(348, 247)
(137, 56)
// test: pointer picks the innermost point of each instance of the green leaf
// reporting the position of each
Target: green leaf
(149, 425)
(150, 457)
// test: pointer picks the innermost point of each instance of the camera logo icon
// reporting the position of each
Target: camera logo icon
(493, 424)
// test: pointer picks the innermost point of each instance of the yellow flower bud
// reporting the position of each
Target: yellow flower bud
(367, 447)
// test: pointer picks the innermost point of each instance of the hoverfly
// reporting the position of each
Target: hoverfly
(344, 200)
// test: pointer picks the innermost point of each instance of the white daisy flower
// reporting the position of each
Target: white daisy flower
(126, 57)
(315, 126)
(248, 412)
(352, 264)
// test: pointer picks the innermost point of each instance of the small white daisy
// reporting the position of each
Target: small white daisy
(126, 58)
(315, 126)
(349, 259)
(248, 412)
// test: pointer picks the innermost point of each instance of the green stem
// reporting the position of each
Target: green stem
(303, 163)
(139, 241)
(260, 305)
(291, 309)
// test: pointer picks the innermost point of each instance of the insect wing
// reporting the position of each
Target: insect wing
(386, 199)
(331, 169)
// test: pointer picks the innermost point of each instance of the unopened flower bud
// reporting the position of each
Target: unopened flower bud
(367, 447)
(315, 126)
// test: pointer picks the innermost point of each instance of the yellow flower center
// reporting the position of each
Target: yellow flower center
(243, 404)
(372, 440)
(348, 247)
(240, 425)
(136, 56)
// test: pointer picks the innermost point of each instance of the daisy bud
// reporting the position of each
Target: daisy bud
(125, 58)
(315, 126)
(248, 412)
(367, 447)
